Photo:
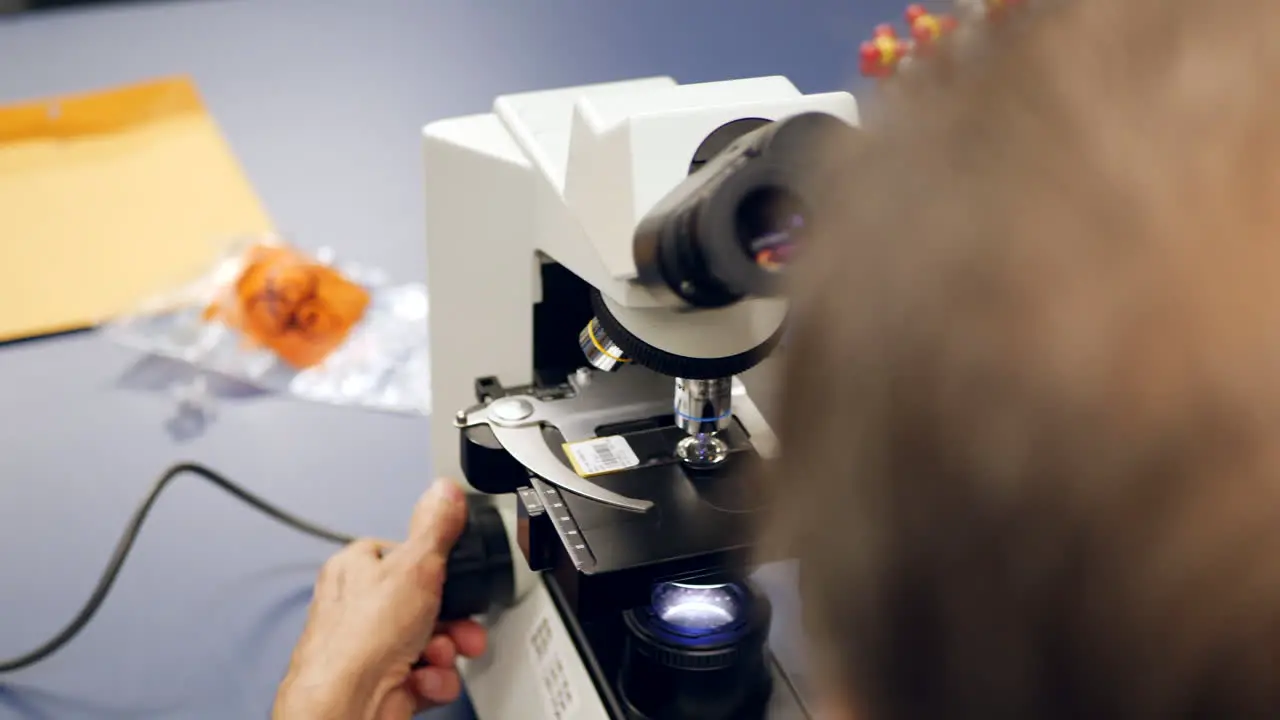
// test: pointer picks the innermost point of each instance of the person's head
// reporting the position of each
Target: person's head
(1031, 421)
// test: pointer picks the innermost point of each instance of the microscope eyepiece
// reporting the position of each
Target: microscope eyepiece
(728, 231)
(768, 223)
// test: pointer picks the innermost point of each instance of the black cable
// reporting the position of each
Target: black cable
(130, 535)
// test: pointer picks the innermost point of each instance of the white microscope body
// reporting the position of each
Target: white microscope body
(564, 176)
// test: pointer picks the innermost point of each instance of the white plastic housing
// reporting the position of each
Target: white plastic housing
(567, 175)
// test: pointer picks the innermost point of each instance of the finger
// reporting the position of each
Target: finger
(364, 549)
(385, 546)
(470, 638)
(438, 519)
(403, 702)
(359, 560)
(441, 652)
(355, 562)
(439, 686)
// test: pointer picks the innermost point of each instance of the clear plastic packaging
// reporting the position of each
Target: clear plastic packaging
(379, 360)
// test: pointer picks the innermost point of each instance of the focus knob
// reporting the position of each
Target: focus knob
(480, 574)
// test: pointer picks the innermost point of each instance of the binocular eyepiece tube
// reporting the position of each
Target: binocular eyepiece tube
(730, 229)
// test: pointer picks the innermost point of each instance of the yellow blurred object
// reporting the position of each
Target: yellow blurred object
(107, 198)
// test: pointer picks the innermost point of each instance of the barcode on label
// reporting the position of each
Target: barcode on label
(601, 455)
(605, 456)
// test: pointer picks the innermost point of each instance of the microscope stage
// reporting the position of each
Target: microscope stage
(604, 557)
(699, 528)
(695, 513)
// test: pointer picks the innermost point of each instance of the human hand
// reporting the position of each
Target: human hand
(373, 616)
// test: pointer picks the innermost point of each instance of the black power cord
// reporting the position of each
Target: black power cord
(130, 535)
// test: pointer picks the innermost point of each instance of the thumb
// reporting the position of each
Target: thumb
(438, 520)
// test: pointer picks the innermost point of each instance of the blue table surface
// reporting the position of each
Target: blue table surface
(202, 620)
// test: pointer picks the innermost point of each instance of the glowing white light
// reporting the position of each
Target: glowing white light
(696, 607)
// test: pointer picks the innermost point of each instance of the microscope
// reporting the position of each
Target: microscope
(604, 262)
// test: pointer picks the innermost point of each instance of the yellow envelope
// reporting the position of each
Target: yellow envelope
(109, 197)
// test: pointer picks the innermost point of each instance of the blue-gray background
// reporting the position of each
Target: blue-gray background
(322, 100)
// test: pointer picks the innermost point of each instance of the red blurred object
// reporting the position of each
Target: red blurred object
(928, 28)
(881, 55)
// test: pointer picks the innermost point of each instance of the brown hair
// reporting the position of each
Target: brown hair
(1031, 421)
